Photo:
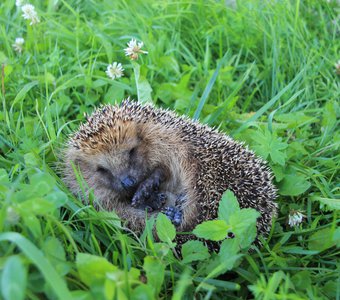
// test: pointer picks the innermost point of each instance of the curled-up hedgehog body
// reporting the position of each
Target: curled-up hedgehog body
(140, 159)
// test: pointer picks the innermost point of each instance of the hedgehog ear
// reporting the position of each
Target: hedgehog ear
(139, 132)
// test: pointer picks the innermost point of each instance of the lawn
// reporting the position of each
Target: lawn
(265, 72)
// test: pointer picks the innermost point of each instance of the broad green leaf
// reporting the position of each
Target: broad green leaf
(302, 279)
(331, 289)
(134, 274)
(25, 193)
(165, 92)
(296, 150)
(327, 203)
(322, 240)
(121, 295)
(37, 206)
(117, 282)
(114, 93)
(193, 251)
(92, 268)
(55, 252)
(268, 144)
(33, 224)
(142, 292)
(225, 260)
(215, 230)
(336, 237)
(162, 249)
(168, 63)
(227, 206)
(294, 119)
(42, 183)
(278, 172)
(293, 185)
(120, 277)
(154, 270)
(243, 225)
(165, 229)
(13, 279)
(57, 198)
(31, 160)
(229, 254)
(81, 295)
(109, 288)
(243, 218)
(181, 104)
(228, 248)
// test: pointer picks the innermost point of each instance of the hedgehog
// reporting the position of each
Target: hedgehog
(140, 160)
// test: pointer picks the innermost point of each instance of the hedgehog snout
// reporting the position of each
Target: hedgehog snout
(128, 182)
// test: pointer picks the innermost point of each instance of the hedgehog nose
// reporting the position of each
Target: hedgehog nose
(128, 182)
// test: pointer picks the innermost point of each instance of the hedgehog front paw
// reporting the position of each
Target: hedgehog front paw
(158, 201)
(147, 189)
(155, 202)
(174, 214)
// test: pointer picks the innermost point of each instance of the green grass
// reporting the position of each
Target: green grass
(263, 72)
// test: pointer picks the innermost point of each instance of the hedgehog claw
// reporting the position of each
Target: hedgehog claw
(174, 214)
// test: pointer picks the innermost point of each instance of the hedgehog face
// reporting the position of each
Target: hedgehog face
(122, 170)
(113, 161)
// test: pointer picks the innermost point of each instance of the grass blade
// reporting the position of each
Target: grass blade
(209, 87)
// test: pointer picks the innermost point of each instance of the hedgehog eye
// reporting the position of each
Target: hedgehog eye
(102, 170)
(132, 152)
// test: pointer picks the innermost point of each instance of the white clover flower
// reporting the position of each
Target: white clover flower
(295, 217)
(19, 42)
(29, 13)
(134, 49)
(19, 3)
(115, 70)
(337, 67)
